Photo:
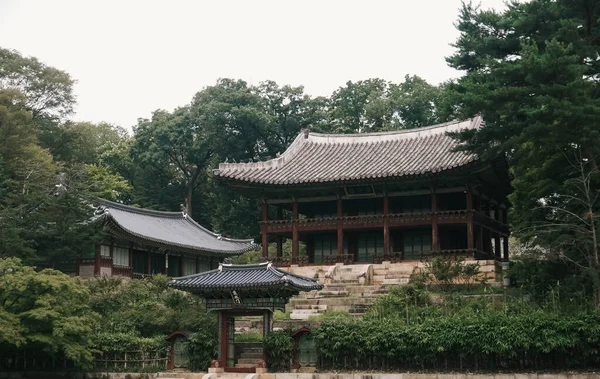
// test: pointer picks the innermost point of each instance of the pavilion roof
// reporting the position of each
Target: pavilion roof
(169, 230)
(321, 158)
(232, 277)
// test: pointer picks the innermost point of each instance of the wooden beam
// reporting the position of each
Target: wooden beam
(295, 241)
(340, 231)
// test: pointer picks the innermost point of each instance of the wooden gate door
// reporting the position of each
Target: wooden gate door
(180, 357)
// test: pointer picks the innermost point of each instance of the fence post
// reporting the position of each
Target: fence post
(125, 359)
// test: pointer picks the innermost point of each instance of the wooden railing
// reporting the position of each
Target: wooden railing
(288, 261)
(339, 258)
(377, 220)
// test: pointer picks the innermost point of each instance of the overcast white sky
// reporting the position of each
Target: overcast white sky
(132, 57)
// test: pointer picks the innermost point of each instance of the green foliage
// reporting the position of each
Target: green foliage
(249, 336)
(462, 341)
(46, 310)
(202, 348)
(445, 272)
(329, 315)
(279, 350)
(49, 91)
(279, 315)
(535, 84)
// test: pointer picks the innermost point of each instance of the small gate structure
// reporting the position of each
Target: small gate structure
(178, 357)
(243, 290)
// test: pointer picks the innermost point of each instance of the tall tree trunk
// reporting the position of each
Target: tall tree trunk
(188, 198)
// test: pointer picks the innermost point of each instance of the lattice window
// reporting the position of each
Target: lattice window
(121, 257)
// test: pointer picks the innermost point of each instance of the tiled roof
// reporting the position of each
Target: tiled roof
(318, 158)
(230, 277)
(170, 230)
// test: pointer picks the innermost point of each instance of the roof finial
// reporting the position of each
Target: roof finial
(306, 132)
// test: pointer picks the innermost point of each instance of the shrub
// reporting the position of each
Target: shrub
(279, 350)
(201, 348)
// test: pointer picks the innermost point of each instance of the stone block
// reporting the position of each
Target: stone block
(451, 376)
(552, 376)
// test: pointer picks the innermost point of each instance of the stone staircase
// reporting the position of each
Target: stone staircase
(351, 289)
(250, 357)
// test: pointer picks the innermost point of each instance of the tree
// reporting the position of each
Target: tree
(417, 103)
(177, 138)
(532, 72)
(47, 310)
(364, 106)
(49, 91)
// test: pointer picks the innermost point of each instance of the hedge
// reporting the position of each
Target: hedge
(489, 341)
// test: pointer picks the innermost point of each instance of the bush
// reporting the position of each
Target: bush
(279, 350)
(202, 348)
(462, 341)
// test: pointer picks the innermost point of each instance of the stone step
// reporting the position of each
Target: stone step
(322, 294)
(252, 361)
(333, 300)
(244, 365)
(253, 350)
(245, 355)
(311, 306)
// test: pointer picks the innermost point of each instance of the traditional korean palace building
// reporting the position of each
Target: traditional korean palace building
(140, 242)
(374, 197)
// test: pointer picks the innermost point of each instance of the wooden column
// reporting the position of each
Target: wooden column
(148, 263)
(497, 245)
(279, 246)
(386, 225)
(265, 236)
(340, 231)
(180, 265)
(97, 260)
(470, 238)
(197, 265)
(295, 242)
(505, 241)
(435, 243)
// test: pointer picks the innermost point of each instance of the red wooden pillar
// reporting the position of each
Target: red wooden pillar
(265, 236)
(470, 237)
(497, 245)
(279, 246)
(340, 230)
(386, 225)
(295, 242)
(435, 244)
(224, 338)
(97, 260)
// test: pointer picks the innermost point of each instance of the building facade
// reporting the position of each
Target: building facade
(141, 242)
(373, 197)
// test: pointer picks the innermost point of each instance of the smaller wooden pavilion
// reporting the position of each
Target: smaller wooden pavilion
(243, 290)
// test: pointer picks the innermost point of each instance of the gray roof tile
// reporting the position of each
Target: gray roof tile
(229, 277)
(314, 157)
(169, 229)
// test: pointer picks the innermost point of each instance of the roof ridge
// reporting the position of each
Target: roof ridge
(305, 136)
(150, 212)
(217, 235)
